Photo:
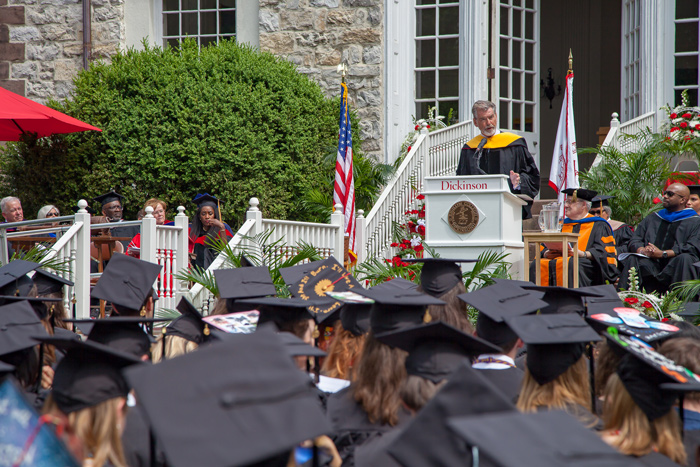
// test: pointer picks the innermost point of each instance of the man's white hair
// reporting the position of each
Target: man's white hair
(6, 200)
(484, 106)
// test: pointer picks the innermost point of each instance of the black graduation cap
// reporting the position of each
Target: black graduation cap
(582, 193)
(280, 310)
(652, 380)
(548, 438)
(439, 275)
(689, 311)
(5, 368)
(123, 333)
(393, 310)
(355, 317)
(245, 282)
(427, 440)
(18, 325)
(498, 302)
(554, 342)
(603, 315)
(294, 274)
(199, 200)
(13, 277)
(109, 197)
(296, 347)
(329, 276)
(236, 402)
(436, 349)
(126, 282)
(694, 189)
(601, 200)
(562, 299)
(189, 325)
(48, 283)
(246, 263)
(90, 373)
(397, 283)
(606, 291)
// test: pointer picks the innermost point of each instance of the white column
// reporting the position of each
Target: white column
(181, 251)
(361, 236)
(148, 236)
(338, 218)
(82, 262)
(255, 214)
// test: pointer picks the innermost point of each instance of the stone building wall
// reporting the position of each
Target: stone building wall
(317, 35)
(41, 43)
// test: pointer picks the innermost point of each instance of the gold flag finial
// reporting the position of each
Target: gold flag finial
(343, 70)
(571, 62)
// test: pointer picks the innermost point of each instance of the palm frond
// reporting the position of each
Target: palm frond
(37, 254)
(489, 264)
(199, 276)
(166, 313)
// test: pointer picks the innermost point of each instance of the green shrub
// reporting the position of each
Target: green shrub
(226, 120)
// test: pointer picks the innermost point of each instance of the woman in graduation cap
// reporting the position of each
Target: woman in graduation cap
(206, 228)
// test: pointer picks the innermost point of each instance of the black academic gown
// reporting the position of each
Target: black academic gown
(656, 459)
(681, 236)
(508, 380)
(374, 452)
(127, 231)
(351, 426)
(691, 441)
(623, 234)
(502, 153)
(138, 442)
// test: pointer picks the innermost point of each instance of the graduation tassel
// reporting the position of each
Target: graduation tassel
(37, 385)
(681, 397)
(162, 352)
(591, 374)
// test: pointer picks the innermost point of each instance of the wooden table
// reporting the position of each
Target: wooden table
(541, 237)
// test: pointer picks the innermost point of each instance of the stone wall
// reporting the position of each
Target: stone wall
(317, 35)
(41, 43)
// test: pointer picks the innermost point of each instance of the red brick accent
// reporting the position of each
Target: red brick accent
(12, 15)
(15, 86)
(4, 33)
(12, 52)
(4, 70)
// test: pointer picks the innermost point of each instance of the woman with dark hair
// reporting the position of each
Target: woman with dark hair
(206, 228)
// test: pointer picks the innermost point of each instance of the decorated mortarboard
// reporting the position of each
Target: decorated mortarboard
(628, 321)
(562, 299)
(48, 283)
(435, 350)
(18, 325)
(126, 282)
(427, 440)
(581, 193)
(294, 274)
(123, 333)
(329, 276)
(199, 200)
(236, 402)
(396, 309)
(550, 438)
(554, 342)
(280, 310)
(396, 283)
(652, 380)
(498, 302)
(109, 197)
(13, 277)
(90, 373)
(190, 325)
(601, 200)
(439, 275)
(245, 282)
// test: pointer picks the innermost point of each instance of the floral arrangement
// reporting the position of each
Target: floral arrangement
(651, 304)
(684, 120)
(433, 122)
(409, 236)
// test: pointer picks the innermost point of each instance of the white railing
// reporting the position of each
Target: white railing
(615, 136)
(433, 154)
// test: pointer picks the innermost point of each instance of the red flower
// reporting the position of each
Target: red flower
(421, 215)
(663, 320)
(675, 128)
(647, 304)
(631, 300)
(684, 124)
(394, 245)
(411, 275)
(423, 196)
(428, 126)
(673, 115)
(687, 137)
(656, 201)
(421, 229)
(687, 115)
(409, 149)
(418, 248)
(418, 126)
(697, 127)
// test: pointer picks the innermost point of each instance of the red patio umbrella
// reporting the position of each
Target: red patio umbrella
(19, 114)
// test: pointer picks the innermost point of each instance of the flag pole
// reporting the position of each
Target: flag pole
(571, 63)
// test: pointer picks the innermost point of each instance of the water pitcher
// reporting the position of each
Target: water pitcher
(549, 218)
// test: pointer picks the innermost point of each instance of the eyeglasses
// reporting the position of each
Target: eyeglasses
(595, 212)
(670, 194)
(52, 214)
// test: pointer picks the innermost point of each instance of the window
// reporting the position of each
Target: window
(208, 21)
(631, 15)
(686, 57)
(437, 58)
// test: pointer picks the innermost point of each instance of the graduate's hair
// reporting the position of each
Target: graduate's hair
(637, 434)
(381, 372)
(454, 312)
(484, 106)
(97, 428)
(417, 391)
(570, 387)
(606, 362)
(174, 347)
(343, 353)
(685, 351)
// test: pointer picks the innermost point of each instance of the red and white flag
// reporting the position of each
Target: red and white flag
(344, 187)
(564, 172)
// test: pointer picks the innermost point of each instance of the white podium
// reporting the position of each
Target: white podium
(468, 215)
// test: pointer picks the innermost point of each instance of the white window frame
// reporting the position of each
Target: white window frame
(632, 75)
(694, 53)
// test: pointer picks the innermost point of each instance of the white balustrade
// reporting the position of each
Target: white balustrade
(615, 138)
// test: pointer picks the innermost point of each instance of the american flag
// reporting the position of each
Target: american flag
(344, 189)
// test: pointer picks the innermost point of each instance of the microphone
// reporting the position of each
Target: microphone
(477, 155)
(481, 145)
